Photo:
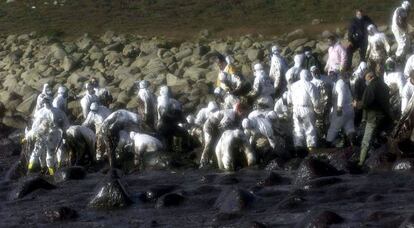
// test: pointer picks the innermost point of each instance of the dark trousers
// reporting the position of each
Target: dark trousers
(350, 53)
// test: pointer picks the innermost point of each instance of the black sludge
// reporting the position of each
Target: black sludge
(28, 185)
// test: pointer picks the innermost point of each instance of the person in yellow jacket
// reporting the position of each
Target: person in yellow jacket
(225, 65)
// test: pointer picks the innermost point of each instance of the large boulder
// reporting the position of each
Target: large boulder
(234, 200)
(255, 54)
(16, 122)
(111, 194)
(312, 168)
(194, 73)
(28, 185)
(27, 106)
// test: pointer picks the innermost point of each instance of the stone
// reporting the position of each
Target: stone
(154, 193)
(155, 66)
(130, 51)
(27, 106)
(183, 54)
(68, 64)
(57, 51)
(254, 54)
(194, 73)
(60, 214)
(170, 200)
(312, 168)
(16, 122)
(116, 47)
(271, 179)
(316, 21)
(320, 219)
(246, 43)
(234, 200)
(111, 194)
(403, 165)
(28, 185)
(70, 173)
(84, 43)
(297, 34)
(297, 43)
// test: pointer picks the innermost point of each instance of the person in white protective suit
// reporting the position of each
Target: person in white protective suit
(254, 127)
(305, 100)
(204, 113)
(103, 94)
(409, 67)
(342, 112)
(293, 73)
(392, 77)
(108, 136)
(61, 100)
(216, 123)
(89, 98)
(46, 92)
(408, 92)
(78, 144)
(47, 131)
(147, 105)
(278, 68)
(147, 150)
(378, 49)
(228, 150)
(399, 28)
(324, 88)
(225, 99)
(283, 104)
(262, 85)
(96, 117)
(264, 106)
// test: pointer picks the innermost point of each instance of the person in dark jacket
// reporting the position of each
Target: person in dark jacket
(358, 36)
(376, 107)
(311, 59)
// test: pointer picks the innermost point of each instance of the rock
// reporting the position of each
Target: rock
(155, 66)
(68, 64)
(152, 194)
(183, 54)
(169, 200)
(152, 46)
(116, 47)
(60, 214)
(320, 219)
(234, 200)
(16, 171)
(57, 51)
(290, 203)
(380, 159)
(403, 165)
(254, 54)
(16, 122)
(111, 194)
(408, 222)
(28, 185)
(298, 33)
(311, 168)
(297, 43)
(201, 50)
(84, 43)
(194, 73)
(316, 21)
(246, 43)
(70, 173)
(27, 106)
(272, 179)
(130, 51)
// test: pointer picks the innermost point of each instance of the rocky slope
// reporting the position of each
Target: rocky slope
(118, 60)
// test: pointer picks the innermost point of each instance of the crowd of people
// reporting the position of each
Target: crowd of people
(294, 110)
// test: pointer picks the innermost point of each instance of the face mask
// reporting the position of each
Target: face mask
(308, 53)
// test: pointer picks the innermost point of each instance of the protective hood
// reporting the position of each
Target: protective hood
(305, 75)
(406, 5)
(298, 59)
(372, 29)
(275, 50)
(143, 84)
(46, 89)
(164, 91)
(212, 106)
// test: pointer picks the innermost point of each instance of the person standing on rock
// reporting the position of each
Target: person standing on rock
(225, 64)
(336, 56)
(96, 117)
(311, 59)
(147, 104)
(293, 73)
(278, 68)
(357, 36)
(61, 100)
(399, 28)
(358, 85)
(375, 105)
(305, 101)
(262, 85)
(378, 49)
(47, 132)
(407, 92)
(396, 81)
(46, 92)
(342, 112)
(89, 98)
